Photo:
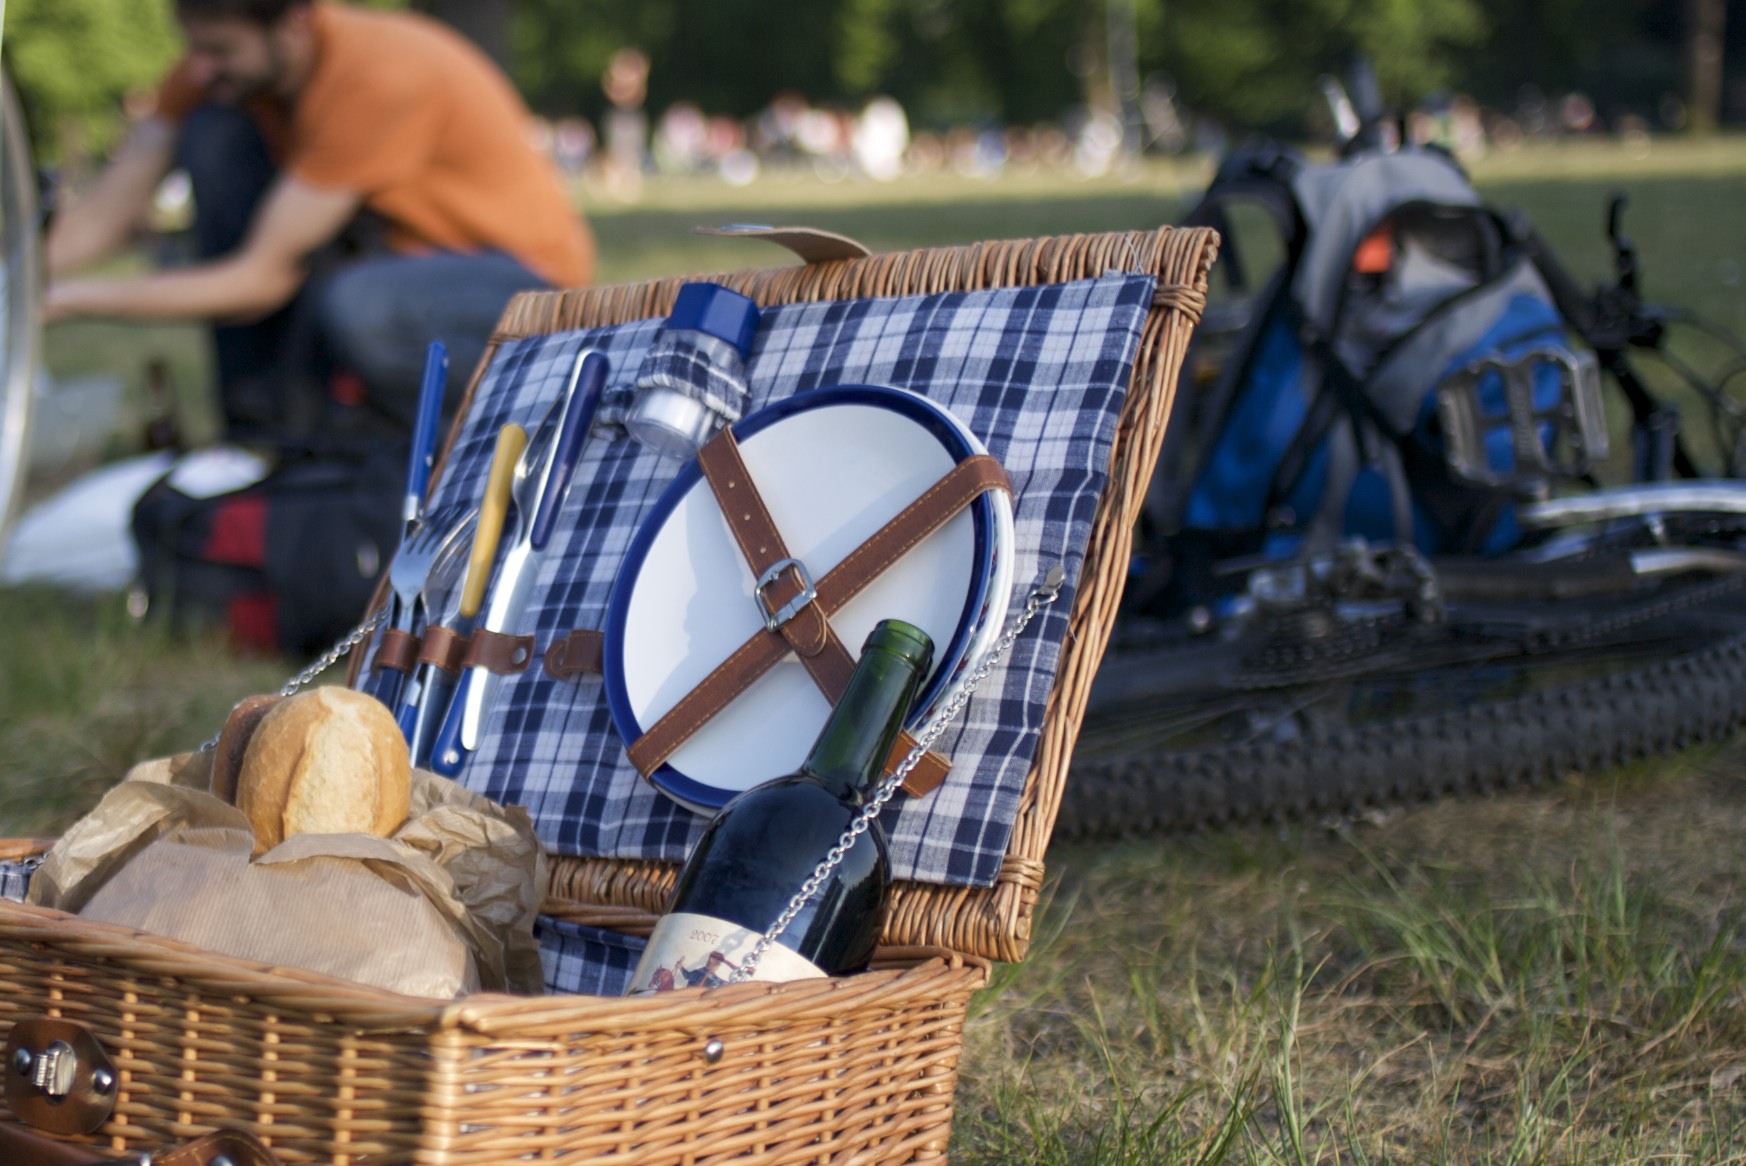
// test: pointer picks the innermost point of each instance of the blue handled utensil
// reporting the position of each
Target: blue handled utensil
(424, 427)
(407, 573)
(434, 687)
(541, 482)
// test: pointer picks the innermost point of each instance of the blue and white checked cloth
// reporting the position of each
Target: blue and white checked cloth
(1039, 374)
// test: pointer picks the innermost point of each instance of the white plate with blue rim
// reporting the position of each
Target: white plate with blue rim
(833, 465)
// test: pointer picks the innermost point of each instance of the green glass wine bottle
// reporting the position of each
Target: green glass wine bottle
(765, 843)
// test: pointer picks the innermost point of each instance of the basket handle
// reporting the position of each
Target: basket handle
(810, 243)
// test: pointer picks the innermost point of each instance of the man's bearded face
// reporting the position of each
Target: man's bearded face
(235, 59)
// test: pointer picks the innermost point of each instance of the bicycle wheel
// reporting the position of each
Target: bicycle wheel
(20, 267)
(1309, 720)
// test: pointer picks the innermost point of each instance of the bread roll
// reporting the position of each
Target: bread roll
(233, 742)
(325, 761)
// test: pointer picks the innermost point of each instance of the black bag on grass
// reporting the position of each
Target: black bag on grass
(287, 564)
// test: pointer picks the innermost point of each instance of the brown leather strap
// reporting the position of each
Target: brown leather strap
(962, 485)
(444, 648)
(237, 1146)
(807, 631)
(22, 1146)
(399, 651)
(577, 654)
(929, 773)
(499, 652)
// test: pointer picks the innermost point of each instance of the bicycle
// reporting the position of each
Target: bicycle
(20, 288)
(1367, 674)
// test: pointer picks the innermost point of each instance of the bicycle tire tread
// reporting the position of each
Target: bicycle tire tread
(1654, 709)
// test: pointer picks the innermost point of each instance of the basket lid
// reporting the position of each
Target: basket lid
(1137, 292)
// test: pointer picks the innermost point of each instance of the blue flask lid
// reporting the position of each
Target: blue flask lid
(717, 311)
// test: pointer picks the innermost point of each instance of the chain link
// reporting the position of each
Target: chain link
(1300, 659)
(322, 663)
(1040, 597)
(1592, 630)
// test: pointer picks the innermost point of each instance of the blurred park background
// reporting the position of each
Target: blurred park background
(878, 87)
(1555, 975)
(999, 117)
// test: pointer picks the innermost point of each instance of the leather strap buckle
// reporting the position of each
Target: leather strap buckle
(773, 620)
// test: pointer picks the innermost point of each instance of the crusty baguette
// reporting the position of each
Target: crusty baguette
(233, 742)
(326, 761)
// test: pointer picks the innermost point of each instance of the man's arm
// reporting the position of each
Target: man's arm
(100, 222)
(259, 277)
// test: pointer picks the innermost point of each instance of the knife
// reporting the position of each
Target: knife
(537, 507)
(418, 467)
(432, 686)
(424, 428)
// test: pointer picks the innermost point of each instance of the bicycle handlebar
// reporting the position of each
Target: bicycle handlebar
(1576, 305)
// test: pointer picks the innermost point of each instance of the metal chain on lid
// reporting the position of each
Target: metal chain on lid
(322, 663)
(1041, 596)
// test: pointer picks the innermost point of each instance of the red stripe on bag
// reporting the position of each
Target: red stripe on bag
(253, 620)
(239, 532)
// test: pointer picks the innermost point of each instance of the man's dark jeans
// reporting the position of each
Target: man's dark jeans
(363, 309)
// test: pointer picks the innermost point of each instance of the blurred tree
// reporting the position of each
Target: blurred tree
(1255, 62)
(559, 48)
(1622, 54)
(75, 61)
(1251, 64)
(485, 22)
(1705, 21)
(727, 56)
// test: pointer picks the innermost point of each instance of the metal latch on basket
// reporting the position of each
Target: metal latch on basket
(58, 1078)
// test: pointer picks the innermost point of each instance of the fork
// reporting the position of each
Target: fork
(407, 575)
(440, 600)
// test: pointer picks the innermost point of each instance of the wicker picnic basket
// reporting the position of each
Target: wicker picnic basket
(856, 1069)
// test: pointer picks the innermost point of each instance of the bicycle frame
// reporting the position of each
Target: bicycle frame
(20, 296)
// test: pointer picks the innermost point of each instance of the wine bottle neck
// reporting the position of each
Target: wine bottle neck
(849, 756)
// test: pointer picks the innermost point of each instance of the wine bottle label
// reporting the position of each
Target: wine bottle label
(701, 951)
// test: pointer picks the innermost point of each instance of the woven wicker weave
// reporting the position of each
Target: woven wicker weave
(860, 1069)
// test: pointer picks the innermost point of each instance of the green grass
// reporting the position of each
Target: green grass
(1554, 976)
(1557, 976)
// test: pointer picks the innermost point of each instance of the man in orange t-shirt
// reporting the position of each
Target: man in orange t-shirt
(363, 184)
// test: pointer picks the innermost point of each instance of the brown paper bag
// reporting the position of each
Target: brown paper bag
(444, 907)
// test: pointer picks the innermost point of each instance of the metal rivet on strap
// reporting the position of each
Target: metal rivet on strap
(21, 1061)
(713, 1050)
(103, 1081)
(220, 1160)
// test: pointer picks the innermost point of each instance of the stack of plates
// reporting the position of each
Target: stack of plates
(833, 466)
